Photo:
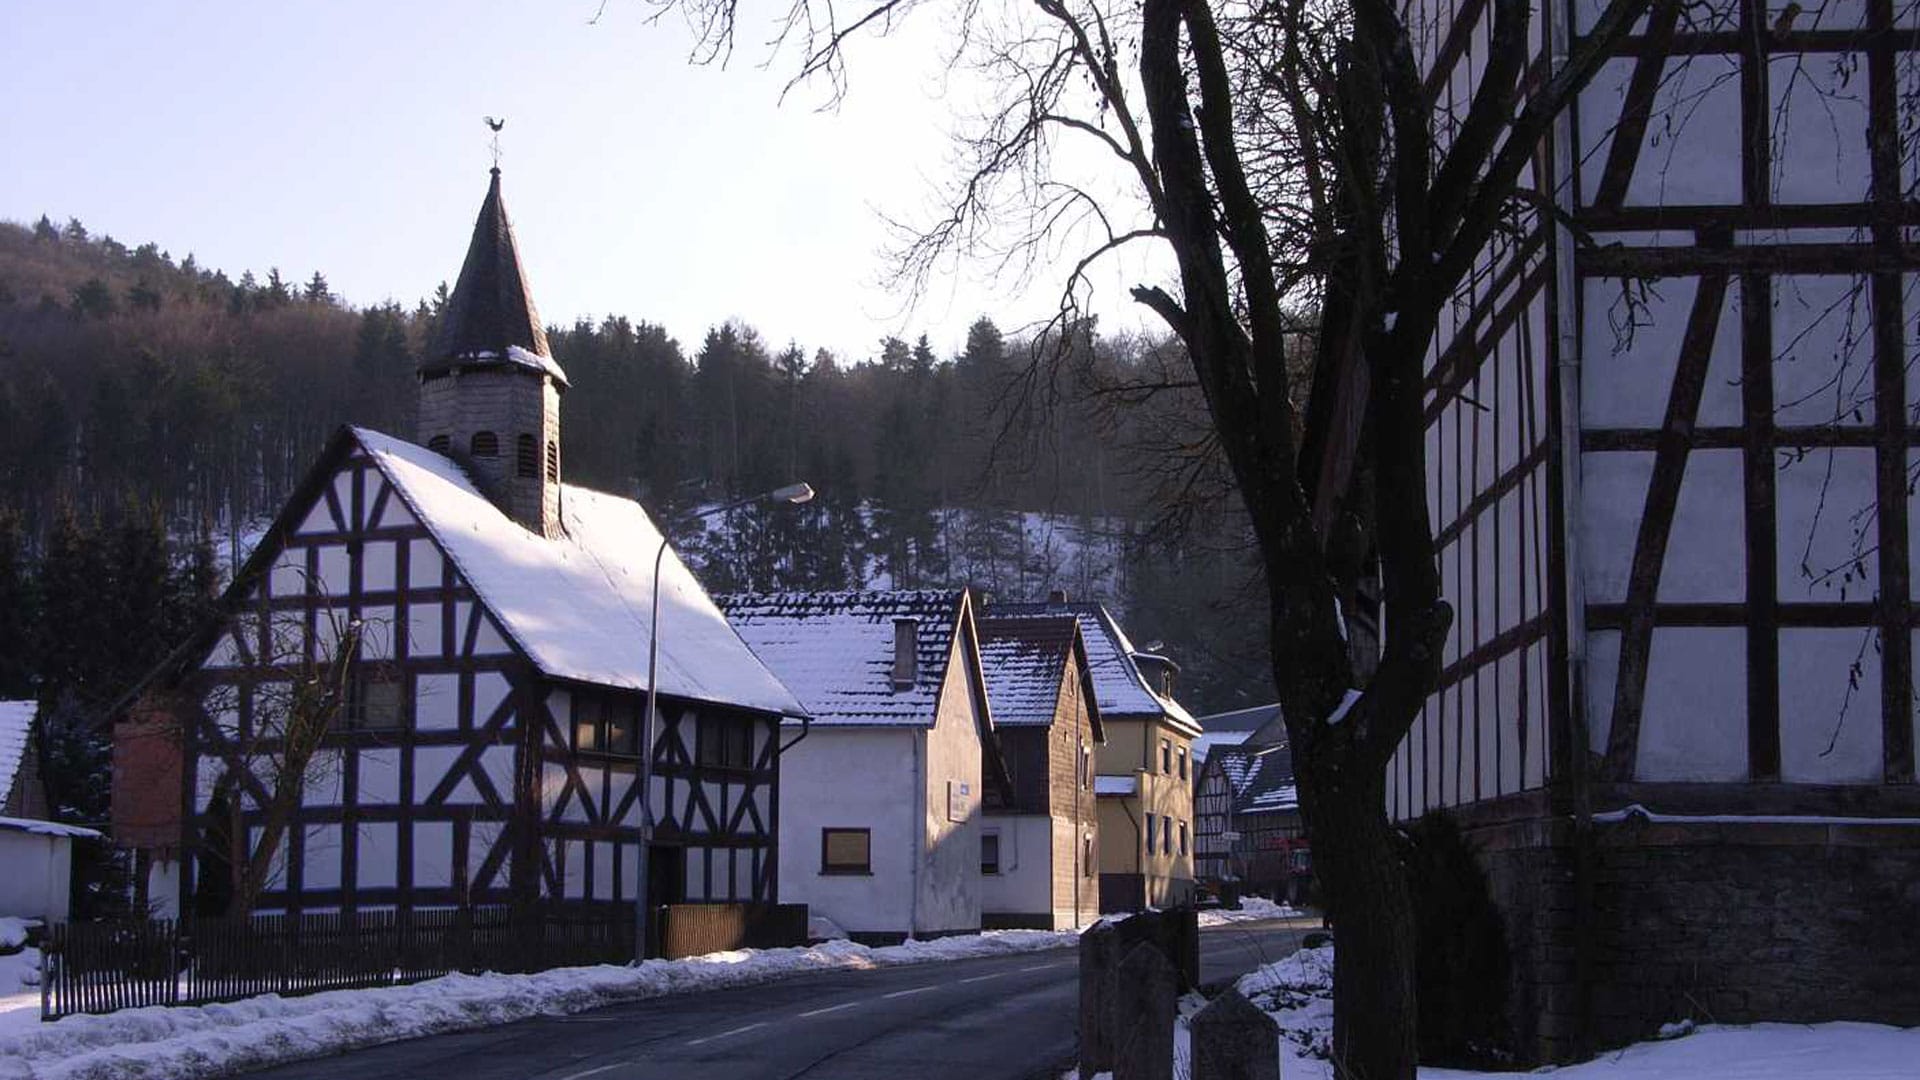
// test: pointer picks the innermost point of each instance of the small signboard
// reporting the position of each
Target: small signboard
(959, 800)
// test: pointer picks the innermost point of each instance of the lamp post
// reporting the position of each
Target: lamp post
(643, 911)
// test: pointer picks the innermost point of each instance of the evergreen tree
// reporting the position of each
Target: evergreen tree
(45, 232)
(317, 291)
(17, 613)
(75, 232)
(143, 296)
(93, 299)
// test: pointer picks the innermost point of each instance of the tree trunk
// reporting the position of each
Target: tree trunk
(1365, 887)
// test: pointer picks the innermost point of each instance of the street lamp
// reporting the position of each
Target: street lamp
(792, 493)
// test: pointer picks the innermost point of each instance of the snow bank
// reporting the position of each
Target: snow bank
(13, 931)
(218, 1040)
(1252, 909)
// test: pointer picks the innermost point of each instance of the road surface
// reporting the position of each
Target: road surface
(997, 1018)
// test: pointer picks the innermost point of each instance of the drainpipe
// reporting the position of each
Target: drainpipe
(919, 830)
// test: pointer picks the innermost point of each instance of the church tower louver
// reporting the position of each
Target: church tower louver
(489, 386)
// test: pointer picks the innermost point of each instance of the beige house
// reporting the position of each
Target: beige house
(1144, 769)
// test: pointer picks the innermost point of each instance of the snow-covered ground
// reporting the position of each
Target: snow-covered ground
(1252, 909)
(217, 1040)
(1297, 992)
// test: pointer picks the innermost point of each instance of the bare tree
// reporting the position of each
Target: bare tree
(1286, 156)
(296, 694)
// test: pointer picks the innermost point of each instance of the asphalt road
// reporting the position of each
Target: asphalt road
(999, 1018)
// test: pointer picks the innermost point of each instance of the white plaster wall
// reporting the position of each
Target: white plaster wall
(35, 874)
(950, 881)
(1024, 884)
(857, 778)
(163, 888)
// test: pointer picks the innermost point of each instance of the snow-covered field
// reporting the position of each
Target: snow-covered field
(217, 1040)
(1297, 992)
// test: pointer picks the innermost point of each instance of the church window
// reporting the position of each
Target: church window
(379, 698)
(553, 461)
(485, 444)
(527, 458)
(440, 444)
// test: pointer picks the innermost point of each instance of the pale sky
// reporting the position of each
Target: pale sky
(347, 137)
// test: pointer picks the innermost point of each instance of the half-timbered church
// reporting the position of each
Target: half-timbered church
(1671, 448)
(428, 683)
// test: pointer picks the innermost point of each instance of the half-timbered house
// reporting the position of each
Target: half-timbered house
(1040, 843)
(881, 789)
(1671, 449)
(1143, 780)
(427, 682)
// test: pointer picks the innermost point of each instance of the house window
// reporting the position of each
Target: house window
(440, 444)
(1183, 838)
(1183, 763)
(1086, 768)
(485, 444)
(589, 720)
(553, 461)
(725, 743)
(526, 455)
(1166, 835)
(1149, 834)
(379, 700)
(1166, 757)
(623, 729)
(846, 851)
(990, 853)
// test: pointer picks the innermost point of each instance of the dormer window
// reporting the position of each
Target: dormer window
(440, 444)
(526, 458)
(485, 444)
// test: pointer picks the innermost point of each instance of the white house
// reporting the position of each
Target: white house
(880, 800)
(494, 621)
(36, 855)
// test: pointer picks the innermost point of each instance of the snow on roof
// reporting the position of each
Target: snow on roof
(579, 605)
(46, 828)
(16, 721)
(1205, 744)
(1270, 788)
(834, 650)
(1022, 660)
(1247, 720)
(1115, 785)
(1117, 682)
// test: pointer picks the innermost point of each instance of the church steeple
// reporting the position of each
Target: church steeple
(489, 386)
(491, 312)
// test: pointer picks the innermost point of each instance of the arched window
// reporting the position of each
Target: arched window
(527, 457)
(440, 444)
(485, 444)
(553, 461)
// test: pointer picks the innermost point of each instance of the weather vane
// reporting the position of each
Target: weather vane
(495, 126)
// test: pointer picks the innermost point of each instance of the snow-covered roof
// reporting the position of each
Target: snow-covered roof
(16, 722)
(1270, 786)
(1247, 720)
(46, 828)
(1115, 785)
(1205, 744)
(579, 605)
(1022, 660)
(1122, 691)
(834, 650)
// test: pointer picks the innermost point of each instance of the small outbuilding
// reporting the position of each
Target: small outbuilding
(36, 855)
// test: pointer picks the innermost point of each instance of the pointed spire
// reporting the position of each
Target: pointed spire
(491, 311)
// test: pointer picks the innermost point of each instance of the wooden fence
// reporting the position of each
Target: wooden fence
(103, 966)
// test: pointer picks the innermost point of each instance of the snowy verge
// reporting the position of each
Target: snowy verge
(1298, 993)
(1252, 909)
(195, 1042)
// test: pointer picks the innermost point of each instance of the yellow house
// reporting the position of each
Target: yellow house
(1145, 769)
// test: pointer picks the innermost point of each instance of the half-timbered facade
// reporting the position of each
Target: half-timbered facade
(1040, 842)
(1671, 447)
(470, 636)
(881, 789)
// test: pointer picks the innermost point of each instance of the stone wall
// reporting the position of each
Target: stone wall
(1714, 922)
